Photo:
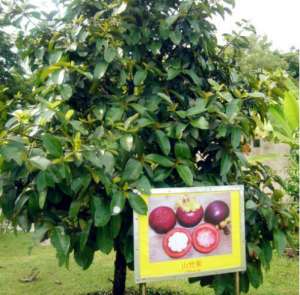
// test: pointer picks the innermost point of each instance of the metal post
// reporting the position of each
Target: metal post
(143, 290)
(237, 283)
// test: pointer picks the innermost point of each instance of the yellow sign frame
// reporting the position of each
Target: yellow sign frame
(146, 271)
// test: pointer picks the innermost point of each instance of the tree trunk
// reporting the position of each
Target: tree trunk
(120, 274)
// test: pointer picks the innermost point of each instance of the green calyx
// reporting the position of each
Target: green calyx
(188, 204)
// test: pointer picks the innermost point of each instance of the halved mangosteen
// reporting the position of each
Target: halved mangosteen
(205, 238)
(177, 243)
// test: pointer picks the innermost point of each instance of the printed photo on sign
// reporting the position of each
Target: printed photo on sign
(183, 227)
(190, 232)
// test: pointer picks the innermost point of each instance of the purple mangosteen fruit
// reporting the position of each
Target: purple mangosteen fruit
(217, 213)
(189, 212)
(162, 219)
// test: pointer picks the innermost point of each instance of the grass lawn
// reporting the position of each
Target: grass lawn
(16, 264)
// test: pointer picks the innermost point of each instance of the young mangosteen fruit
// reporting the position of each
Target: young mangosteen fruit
(162, 219)
(177, 243)
(189, 212)
(217, 213)
(205, 238)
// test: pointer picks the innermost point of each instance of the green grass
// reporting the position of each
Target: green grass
(16, 264)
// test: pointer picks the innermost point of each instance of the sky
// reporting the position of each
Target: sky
(278, 19)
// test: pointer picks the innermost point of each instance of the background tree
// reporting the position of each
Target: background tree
(126, 96)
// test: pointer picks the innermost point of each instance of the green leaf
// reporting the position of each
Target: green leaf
(132, 170)
(225, 164)
(74, 208)
(78, 126)
(55, 56)
(101, 211)
(42, 199)
(100, 70)
(200, 123)
(182, 151)
(52, 144)
(171, 19)
(161, 160)
(163, 141)
(85, 257)
(235, 137)
(143, 185)
(172, 73)
(66, 91)
(13, 151)
(86, 227)
(193, 76)
(139, 77)
(117, 203)
(254, 275)
(233, 108)
(161, 174)
(251, 204)
(104, 239)
(109, 54)
(114, 114)
(279, 240)
(40, 162)
(199, 108)
(165, 97)
(185, 174)
(126, 142)
(61, 242)
(175, 37)
(115, 225)
(291, 110)
(58, 77)
(137, 204)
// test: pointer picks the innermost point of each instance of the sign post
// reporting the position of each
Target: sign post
(237, 283)
(143, 290)
(190, 232)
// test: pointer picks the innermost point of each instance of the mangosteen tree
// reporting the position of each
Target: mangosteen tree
(128, 96)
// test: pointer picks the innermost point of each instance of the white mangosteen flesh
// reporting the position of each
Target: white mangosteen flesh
(178, 242)
(206, 238)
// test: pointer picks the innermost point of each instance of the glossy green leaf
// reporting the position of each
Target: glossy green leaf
(66, 91)
(291, 110)
(137, 203)
(161, 160)
(132, 171)
(143, 185)
(117, 203)
(104, 239)
(109, 54)
(279, 241)
(235, 137)
(61, 242)
(101, 211)
(52, 144)
(185, 174)
(226, 164)
(163, 141)
(182, 151)
(100, 70)
(139, 77)
(40, 162)
(200, 123)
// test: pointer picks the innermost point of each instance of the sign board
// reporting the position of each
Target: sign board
(190, 232)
